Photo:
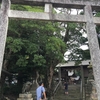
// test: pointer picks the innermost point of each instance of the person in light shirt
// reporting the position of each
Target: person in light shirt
(40, 92)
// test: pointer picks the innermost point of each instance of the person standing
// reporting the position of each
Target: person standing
(66, 87)
(40, 92)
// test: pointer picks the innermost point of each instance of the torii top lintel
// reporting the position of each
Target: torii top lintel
(78, 4)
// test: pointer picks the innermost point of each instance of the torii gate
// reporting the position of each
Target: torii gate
(48, 15)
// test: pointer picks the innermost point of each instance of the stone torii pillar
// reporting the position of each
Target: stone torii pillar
(5, 6)
(94, 46)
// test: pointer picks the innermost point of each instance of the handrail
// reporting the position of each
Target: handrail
(56, 87)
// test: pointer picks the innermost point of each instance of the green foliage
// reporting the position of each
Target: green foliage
(54, 47)
(32, 48)
(72, 26)
(39, 60)
(98, 14)
(22, 61)
(14, 44)
(27, 8)
(29, 44)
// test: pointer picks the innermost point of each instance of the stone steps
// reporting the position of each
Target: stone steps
(73, 90)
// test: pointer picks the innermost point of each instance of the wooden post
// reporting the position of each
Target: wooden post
(83, 84)
(59, 74)
(5, 6)
(94, 46)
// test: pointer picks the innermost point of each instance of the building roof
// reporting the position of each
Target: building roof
(72, 63)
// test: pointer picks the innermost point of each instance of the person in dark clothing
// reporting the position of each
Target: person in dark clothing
(66, 87)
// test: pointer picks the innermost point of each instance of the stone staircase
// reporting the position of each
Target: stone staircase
(74, 93)
(25, 97)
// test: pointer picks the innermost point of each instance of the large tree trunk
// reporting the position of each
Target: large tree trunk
(37, 77)
(50, 76)
(49, 81)
(50, 73)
